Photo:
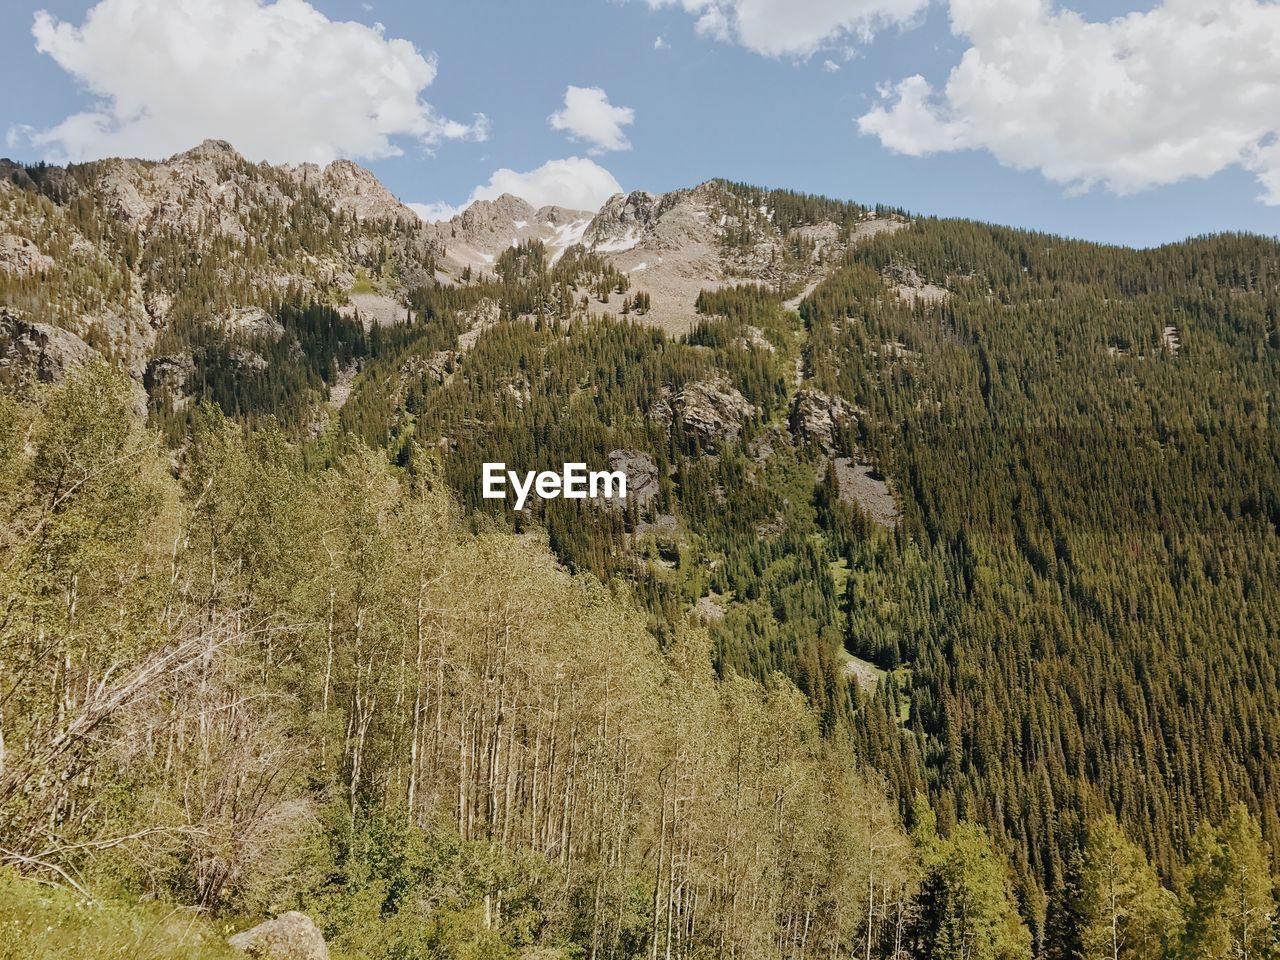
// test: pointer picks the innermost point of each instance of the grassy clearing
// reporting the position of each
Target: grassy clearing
(44, 923)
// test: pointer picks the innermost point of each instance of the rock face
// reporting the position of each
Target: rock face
(208, 182)
(253, 322)
(168, 374)
(712, 411)
(290, 936)
(20, 255)
(642, 478)
(208, 205)
(476, 237)
(355, 190)
(37, 352)
(817, 417)
(626, 219)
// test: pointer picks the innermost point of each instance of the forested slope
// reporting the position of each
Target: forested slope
(941, 619)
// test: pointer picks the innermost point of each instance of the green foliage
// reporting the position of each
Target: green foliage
(1231, 907)
(967, 911)
(398, 891)
(1077, 435)
(336, 694)
(42, 923)
(1126, 911)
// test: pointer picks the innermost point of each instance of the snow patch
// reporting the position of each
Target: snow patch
(566, 236)
(626, 242)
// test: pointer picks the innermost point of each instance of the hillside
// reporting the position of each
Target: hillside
(946, 584)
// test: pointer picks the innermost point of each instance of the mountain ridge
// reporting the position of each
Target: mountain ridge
(336, 234)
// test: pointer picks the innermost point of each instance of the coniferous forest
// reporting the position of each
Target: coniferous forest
(260, 652)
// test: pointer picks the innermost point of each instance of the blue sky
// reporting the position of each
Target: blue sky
(1066, 119)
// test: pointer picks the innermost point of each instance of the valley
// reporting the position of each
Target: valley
(947, 578)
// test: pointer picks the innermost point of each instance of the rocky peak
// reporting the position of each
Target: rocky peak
(557, 216)
(353, 189)
(484, 229)
(623, 221)
(504, 210)
(217, 150)
(655, 222)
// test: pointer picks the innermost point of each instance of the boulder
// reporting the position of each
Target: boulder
(290, 936)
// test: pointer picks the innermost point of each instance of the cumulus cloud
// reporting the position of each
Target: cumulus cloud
(578, 183)
(278, 79)
(588, 115)
(1183, 90)
(794, 28)
(435, 212)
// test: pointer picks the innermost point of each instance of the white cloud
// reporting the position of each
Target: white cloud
(434, 212)
(588, 115)
(576, 182)
(660, 44)
(1183, 90)
(278, 80)
(830, 66)
(794, 28)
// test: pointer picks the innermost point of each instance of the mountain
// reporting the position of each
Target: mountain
(943, 603)
(118, 252)
(670, 246)
(475, 237)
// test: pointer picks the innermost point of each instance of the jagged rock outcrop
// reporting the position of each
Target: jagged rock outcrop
(623, 221)
(37, 352)
(712, 411)
(489, 216)
(477, 236)
(168, 374)
(209, 182)
(354, 190)
(290, 936)
(657, 223)
(817, 417)
(642, 478)
(252, 322)
(189, 222)
(20, 255)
